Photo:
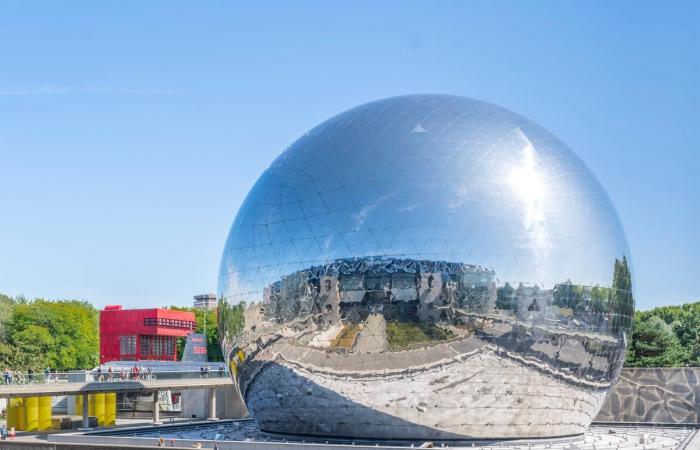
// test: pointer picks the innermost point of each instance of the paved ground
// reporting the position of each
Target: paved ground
(372, 338)
(244, 434)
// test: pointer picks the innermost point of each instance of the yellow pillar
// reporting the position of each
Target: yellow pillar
(44, 413)
(19, 414)
(110, 408)
(78, 405)
(11, 413)
(98, 407)
(31, 414)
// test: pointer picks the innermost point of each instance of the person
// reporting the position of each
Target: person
(161, 441)
(110, 370)
(30, 375)
(47, 374)
(99, 374)
(122, 374)
(221, 370)
(7, 376)
(11, 434)
(3, 432)
(216, 446)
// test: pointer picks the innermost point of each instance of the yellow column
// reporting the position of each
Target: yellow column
(19, 414)
(78, 405)
(44, 413)
(110, 408)
(31, 414)
(98, 407)
(11, 413)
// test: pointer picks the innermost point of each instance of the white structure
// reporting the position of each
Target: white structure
(205, 301)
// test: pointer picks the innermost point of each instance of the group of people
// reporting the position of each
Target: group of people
(204, 371)
(16, 377)
(136, 373)
(6, 434)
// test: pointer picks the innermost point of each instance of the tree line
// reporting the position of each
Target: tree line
(666, 336)
(63, 334)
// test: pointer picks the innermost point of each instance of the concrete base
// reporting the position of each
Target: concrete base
(241, 435)
(195, 404)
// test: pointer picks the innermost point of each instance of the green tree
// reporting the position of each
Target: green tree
(654, 344)
(683, 321)
(205, 323)
(61, 334)
(32, 346)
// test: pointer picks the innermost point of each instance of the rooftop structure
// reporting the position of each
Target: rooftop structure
(205, 301)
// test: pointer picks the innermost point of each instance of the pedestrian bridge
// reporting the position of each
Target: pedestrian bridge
(119, 386)
(90, 384)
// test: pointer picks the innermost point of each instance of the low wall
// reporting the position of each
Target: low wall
(24, 445)
(660, 395)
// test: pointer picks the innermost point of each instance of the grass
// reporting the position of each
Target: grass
(405, 334)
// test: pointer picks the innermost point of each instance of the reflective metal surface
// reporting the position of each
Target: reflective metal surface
(427, 267)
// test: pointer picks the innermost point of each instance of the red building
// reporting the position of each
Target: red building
(142, 334)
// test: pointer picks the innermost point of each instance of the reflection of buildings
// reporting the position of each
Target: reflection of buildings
(353, 288)
(364, 327)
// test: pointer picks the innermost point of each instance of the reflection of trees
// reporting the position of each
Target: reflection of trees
(231, 319)
(572, 296)
(505, 298)
(621, 301)
(581, 299)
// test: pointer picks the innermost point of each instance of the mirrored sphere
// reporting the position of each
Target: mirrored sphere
(425, 267)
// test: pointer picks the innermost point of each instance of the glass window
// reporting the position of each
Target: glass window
(127, 345)
(145, 346)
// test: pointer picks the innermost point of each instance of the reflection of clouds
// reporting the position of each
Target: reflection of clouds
(361, 217)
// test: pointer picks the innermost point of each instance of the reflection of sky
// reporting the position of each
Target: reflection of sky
(477, 184)
(529, 184)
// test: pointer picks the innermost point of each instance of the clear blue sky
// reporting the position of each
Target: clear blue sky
(130, 132)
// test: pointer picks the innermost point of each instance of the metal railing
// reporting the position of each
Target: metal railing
(117, 375)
